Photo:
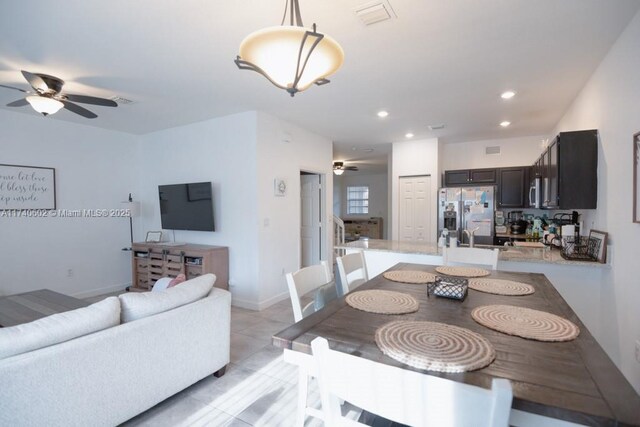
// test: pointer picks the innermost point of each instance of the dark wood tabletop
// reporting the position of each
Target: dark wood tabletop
(30, 306)
(574, 381)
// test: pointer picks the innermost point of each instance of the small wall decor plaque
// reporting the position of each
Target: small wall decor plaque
(279, 187)
(27, 187)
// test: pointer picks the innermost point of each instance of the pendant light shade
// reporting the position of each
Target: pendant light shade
(291, 56)
(44, 105)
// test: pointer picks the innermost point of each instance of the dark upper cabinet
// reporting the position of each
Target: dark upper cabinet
(455, 178)
(483, 176)
(469, 177)
(569, 171)
(512, 187)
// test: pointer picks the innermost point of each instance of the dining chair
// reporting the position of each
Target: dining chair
(404, 396)
(312, 278)
(304, 281)
(479, 256)
(352, 269)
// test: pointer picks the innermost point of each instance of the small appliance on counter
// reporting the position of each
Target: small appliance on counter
(501, 228)
(517, 224)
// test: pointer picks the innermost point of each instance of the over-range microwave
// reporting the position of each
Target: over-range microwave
(536, 193)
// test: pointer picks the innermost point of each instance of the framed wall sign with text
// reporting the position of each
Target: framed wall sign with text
(27, 187)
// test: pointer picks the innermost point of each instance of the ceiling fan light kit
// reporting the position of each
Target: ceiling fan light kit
(44, 105)
(46, 97)
(291, 56)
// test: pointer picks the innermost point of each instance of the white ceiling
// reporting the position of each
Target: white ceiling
(439, 61)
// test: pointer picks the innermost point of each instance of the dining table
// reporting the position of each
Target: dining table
(575, 380)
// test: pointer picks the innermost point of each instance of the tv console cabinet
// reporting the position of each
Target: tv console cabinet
(152, 261)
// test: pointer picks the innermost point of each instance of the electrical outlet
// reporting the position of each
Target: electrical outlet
(638, 351)
(70, 272)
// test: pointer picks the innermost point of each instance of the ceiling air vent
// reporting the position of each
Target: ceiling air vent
(374, 12)
(492, 150)
(436, 127)
(120, 100)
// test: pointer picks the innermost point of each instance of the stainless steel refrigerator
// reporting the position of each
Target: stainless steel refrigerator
(461, 208)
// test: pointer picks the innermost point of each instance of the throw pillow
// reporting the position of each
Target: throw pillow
(59, 327)
(138, 305)
(179, 279)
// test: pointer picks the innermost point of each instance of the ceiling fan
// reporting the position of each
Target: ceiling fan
(46, 97)
(339, 168)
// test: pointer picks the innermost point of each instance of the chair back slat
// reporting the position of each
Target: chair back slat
(304, 281)
(405, 396)
(353, 271)
(475, 256)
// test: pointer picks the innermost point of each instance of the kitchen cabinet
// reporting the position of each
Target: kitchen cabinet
(569, 171)
(512, 187)
(470, 177)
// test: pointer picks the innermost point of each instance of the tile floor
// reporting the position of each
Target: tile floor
(258, 388)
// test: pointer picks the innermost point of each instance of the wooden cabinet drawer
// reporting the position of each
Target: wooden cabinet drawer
(173, 258)
(142, 265)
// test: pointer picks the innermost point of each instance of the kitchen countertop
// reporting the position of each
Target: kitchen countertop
(507, 253)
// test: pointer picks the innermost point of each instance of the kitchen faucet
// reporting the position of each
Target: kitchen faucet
(471, 235)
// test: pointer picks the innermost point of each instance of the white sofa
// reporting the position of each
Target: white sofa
(107, 377)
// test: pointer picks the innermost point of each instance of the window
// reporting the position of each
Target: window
(357, 200)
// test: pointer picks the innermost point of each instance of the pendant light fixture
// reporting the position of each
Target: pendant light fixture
(291, 56)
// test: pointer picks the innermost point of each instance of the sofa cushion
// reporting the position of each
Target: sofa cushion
(138, 305)
(59, 327)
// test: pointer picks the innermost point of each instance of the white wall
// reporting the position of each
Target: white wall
(222, 151)
(471, 155)
(414, 158)
(378, 200)
(95, 169)
(283, 150)
(609, 103)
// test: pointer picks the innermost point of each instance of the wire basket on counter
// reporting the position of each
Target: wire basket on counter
(448, 287)
(580, 248)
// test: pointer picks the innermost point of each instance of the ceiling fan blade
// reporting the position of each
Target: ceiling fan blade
(14, 88)
(351, 168)
(74, 108)
(35, 81)
(19, 103)
(91, 100)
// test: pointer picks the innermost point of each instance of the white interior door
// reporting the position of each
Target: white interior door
(415, 208)
(310, 226)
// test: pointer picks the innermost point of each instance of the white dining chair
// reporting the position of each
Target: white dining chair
(302, 282)
(352, 269)
(475, 256)
(404, 396)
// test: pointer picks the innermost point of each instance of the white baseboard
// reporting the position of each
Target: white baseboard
(259, 305)
(100, 291)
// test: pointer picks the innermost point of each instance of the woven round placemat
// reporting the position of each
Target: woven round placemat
(410, 276)
(451, 270)
(382, 302)
(434, 346)
(501, 287)
(525, 323)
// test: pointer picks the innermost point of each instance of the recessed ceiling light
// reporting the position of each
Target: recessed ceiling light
(408, 135)
(382, 114)
(505, 124)
(508, 94)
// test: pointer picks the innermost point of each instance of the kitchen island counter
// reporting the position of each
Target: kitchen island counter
(507, 253)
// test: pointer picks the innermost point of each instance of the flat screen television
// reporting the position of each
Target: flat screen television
(186, 206)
